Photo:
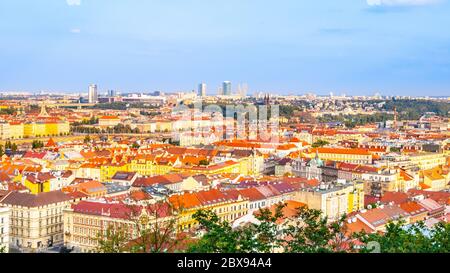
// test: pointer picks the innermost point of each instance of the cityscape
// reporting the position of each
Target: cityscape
(222, 165)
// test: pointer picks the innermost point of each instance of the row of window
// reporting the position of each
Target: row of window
(26, 214)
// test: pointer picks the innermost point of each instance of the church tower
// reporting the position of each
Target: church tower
(43, 113)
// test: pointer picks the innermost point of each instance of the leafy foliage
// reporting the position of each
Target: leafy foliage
(310, 232)
(36, 144)
(11, 146)
(320, 143)
(114, 240)
(414, 238)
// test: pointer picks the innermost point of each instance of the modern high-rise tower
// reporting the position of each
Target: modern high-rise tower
(202, 90)
(226, 88)
(93, 94)
(112, 93)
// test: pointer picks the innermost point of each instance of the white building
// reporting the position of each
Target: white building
(202, 90)
(93, 93)
(4, 229)
(36, 220)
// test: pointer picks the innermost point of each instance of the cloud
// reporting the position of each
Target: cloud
(73, 2)
(400, 3)
(75, 30)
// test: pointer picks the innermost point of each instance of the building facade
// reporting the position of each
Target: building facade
(36, 221)
(4, 229)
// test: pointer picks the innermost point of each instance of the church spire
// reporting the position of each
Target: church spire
(43, 113)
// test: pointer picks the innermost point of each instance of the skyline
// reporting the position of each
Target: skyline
(356, 47)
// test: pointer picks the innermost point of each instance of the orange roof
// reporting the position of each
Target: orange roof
(357, 226)
(51, 143)
(109, 117)
(185, 201)
(139, 195)
(91, 186)
(413, 208)
(357, 151)
(289, 210)
(286, 147)
(395, 197)
(405, 176)
(252, 194)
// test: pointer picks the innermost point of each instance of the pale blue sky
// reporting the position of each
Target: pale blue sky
(286, 46)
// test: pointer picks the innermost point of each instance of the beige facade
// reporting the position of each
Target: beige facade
(36, 221)
(83, 229)
(4, 229)
(5, 132)
(428, 160)
(333, 201)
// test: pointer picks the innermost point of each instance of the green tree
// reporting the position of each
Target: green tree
(308, 232)
(36, 144)
(14, 147)
(135, 145)
(320, 143)
(203, 162)
(156, 232)
(87, 139)
(220, 237)
(413, 238)
(311, 232)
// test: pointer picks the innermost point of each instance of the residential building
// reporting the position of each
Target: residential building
(87, 221)
(36, 220)
(4, 228)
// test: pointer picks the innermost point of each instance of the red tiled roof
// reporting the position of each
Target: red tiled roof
(396, 197)
(252, 194)
(32, 200)
(160, 179)
(413, 208)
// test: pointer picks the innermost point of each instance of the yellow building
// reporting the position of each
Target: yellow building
(434, 179)
(227, 167)
(34, 129)
(46, 128)
(250, 163)
(356, 197)
(428, 160)
(38, 182)
(355, 156)
(51, 129)
(150, 165)
(107, 171)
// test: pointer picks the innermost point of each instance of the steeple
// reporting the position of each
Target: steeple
(43, 113)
